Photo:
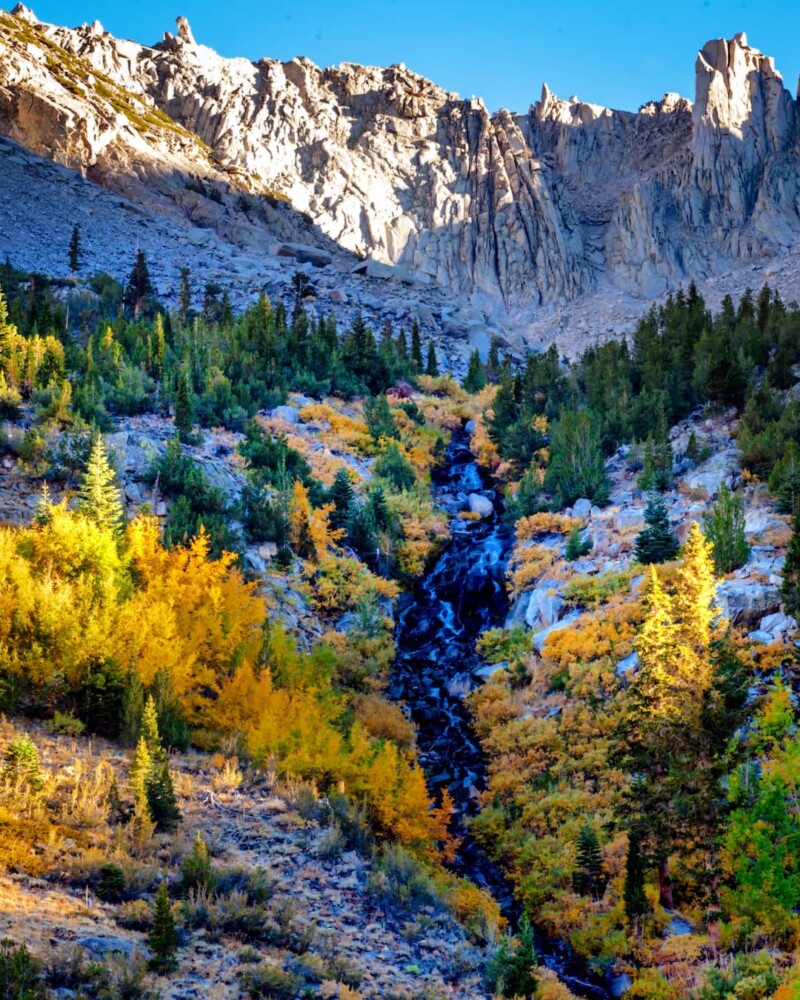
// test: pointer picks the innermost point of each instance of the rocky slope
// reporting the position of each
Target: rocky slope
(568, 215)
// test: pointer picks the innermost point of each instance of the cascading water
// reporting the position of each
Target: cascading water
(437, 627)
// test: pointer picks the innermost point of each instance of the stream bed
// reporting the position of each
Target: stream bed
(437, 625)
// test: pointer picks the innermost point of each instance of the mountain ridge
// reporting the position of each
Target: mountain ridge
(572, 215)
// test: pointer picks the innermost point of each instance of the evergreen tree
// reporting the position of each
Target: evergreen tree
(342, 497)
(432, 365)
(657, 542)
(163, 937)
(139, 288)
(724, 528)
(493, 361)
(512, 971)
(577, 545)
(379, 417)
(162, 802)
(784, 480)
(416, 348)
(588, 878)
(185, 296)
(576, 468)
(75, 250)
(197, 871)
(790, 586)
(634, 896)
(100, 499)
(475, 379)
(184, 413)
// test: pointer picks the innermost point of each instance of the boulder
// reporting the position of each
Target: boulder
(101, 947)
(290, 414)
(304, 254)
(544, 607)
(480, 505)
(778, 624)
(582, 508)
(747, 601)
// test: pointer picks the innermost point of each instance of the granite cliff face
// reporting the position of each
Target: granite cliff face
(516, 213)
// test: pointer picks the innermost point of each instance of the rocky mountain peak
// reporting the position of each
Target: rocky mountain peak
(514, 214)
(25, 14)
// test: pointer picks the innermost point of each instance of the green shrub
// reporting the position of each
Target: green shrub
(22, 763)
(20, 974)
(65, 724)
(596, 589)
(197, 871)
(110, 883)
(401, 881)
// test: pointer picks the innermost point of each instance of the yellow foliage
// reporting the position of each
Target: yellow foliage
(545, 523)
(339, 583)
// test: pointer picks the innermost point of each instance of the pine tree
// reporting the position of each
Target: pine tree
(197, 871)
(657, 542)
(342, 497)
(588, 878)
(724, 528)
(184, 415)
(139, 287)
(634, 896)
(432, 366)
(379, 417)
(416, 347)
(493, 361)
(44, 507)
(184, 296)
(790, 585)
(577, 545)
(100, 499)
(163, 937)
(22, 764)
(162, 802)
(75, 250)
(475, 379)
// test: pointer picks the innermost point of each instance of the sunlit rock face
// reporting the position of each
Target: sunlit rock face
(517, 212)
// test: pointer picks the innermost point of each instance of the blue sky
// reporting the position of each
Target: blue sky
(619, 54)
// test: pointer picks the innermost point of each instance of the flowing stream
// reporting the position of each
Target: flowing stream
(437, 626)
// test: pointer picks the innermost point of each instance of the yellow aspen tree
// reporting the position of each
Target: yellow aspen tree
(299, 520)
(695, 588)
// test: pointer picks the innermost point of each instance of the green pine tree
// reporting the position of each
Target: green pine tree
(588, 878)
(416, 348)
(163, 937)
(22, 764)
(475, 379)
(790, 586)
(724, 526)
(184, 413)
(100, 499)
(577, 545)
(656, 543)
(634, 896)
(162, 802)
(139, 288)
(75, 250)
(342, 497)
(197, 871)
(432, 365)
(379, 417)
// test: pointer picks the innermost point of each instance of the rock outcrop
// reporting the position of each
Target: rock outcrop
(518, 213)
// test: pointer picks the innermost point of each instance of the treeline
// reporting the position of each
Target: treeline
(122, 353)
(554, 421)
